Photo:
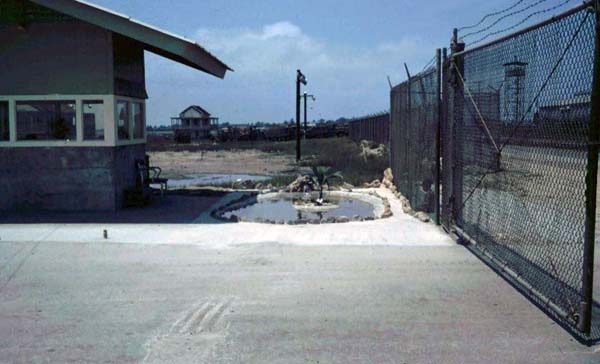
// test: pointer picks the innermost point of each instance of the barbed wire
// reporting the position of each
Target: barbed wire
(491, 15)
(428, 64)
(520, 22)
(516, 12)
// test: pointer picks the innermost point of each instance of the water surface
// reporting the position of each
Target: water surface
(283, 209)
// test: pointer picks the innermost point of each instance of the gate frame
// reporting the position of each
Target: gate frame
(591, 182)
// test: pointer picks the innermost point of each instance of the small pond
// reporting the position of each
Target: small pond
(213, 179)
(285, 209)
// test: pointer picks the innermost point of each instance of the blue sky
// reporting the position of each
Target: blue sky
(345, 48)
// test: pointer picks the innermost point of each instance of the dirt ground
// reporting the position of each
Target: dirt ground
(250, 161)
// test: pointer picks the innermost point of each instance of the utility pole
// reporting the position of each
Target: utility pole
(306, 96)
(300, 79)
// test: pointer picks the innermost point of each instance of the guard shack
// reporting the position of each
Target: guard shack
(73, 101)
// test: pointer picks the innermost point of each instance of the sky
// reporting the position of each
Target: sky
(346, 49)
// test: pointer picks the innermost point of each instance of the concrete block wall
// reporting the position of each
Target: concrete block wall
(67, 178)
(125, 175)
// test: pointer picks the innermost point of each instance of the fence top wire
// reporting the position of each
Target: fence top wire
(490, 15)
(522, 21)
(370, 116)
(426, 72)
(516, 12)
(554, 19)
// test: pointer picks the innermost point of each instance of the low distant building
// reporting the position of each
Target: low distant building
(571, 110)
(73, 102)
(195, 122)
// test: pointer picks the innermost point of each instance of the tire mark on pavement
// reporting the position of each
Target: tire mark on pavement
(193, 336)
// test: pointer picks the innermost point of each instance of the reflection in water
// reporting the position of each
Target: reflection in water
(283, 209)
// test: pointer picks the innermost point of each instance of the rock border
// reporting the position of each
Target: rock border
(388, 182)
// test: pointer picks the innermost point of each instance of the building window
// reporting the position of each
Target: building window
(123, 119)
(93, 120)
(46, 120)
(137, 109)
(4, 129)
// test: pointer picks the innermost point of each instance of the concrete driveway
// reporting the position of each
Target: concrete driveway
(252, 293)
(266, 303)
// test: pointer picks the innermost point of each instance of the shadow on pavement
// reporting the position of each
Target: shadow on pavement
(547, 284)
(173, 208)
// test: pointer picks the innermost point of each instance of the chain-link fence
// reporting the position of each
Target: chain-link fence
(517, 165)
(374, 128)
(414, 145)
(521, 115)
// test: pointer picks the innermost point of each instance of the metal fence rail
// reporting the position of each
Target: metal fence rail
(518, 161)
(374, 128)
(414, 149)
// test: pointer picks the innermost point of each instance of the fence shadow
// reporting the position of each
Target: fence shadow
(544, 282)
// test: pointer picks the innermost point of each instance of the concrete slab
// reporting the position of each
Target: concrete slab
(400, 229)
(266, 303)
(387, 291)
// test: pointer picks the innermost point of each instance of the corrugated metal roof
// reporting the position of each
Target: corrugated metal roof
(155, 40)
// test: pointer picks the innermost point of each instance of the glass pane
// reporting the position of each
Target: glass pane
(93, 120)
(138, 120)
(4, 131)
(123, 119)
(46, 120)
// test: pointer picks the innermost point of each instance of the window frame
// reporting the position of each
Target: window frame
(128, 120)
(72, 133)
(110, 120)
(142, 112)
(7, 120)
(105, 114)
(131, 139)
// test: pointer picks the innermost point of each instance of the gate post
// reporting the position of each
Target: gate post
(457, 132)
(585, 318)
(438, 56)
(446, 144)
(408, 132)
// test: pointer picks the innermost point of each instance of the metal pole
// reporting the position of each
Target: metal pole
(438, 56)
(590, 191)
(408, 156)
(457, 139)
(305, 123)
(298, 154)
(299, 79)
(445, 141)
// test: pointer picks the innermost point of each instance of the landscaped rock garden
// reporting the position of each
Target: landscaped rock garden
(380, 207)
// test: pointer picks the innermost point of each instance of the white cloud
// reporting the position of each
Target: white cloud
(281, 29)
(348, 80)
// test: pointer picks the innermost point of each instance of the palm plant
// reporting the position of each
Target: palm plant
(321, 177)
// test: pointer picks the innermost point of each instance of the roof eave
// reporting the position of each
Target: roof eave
(154, 40)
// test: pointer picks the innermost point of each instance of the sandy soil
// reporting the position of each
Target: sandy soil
(252, 161)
